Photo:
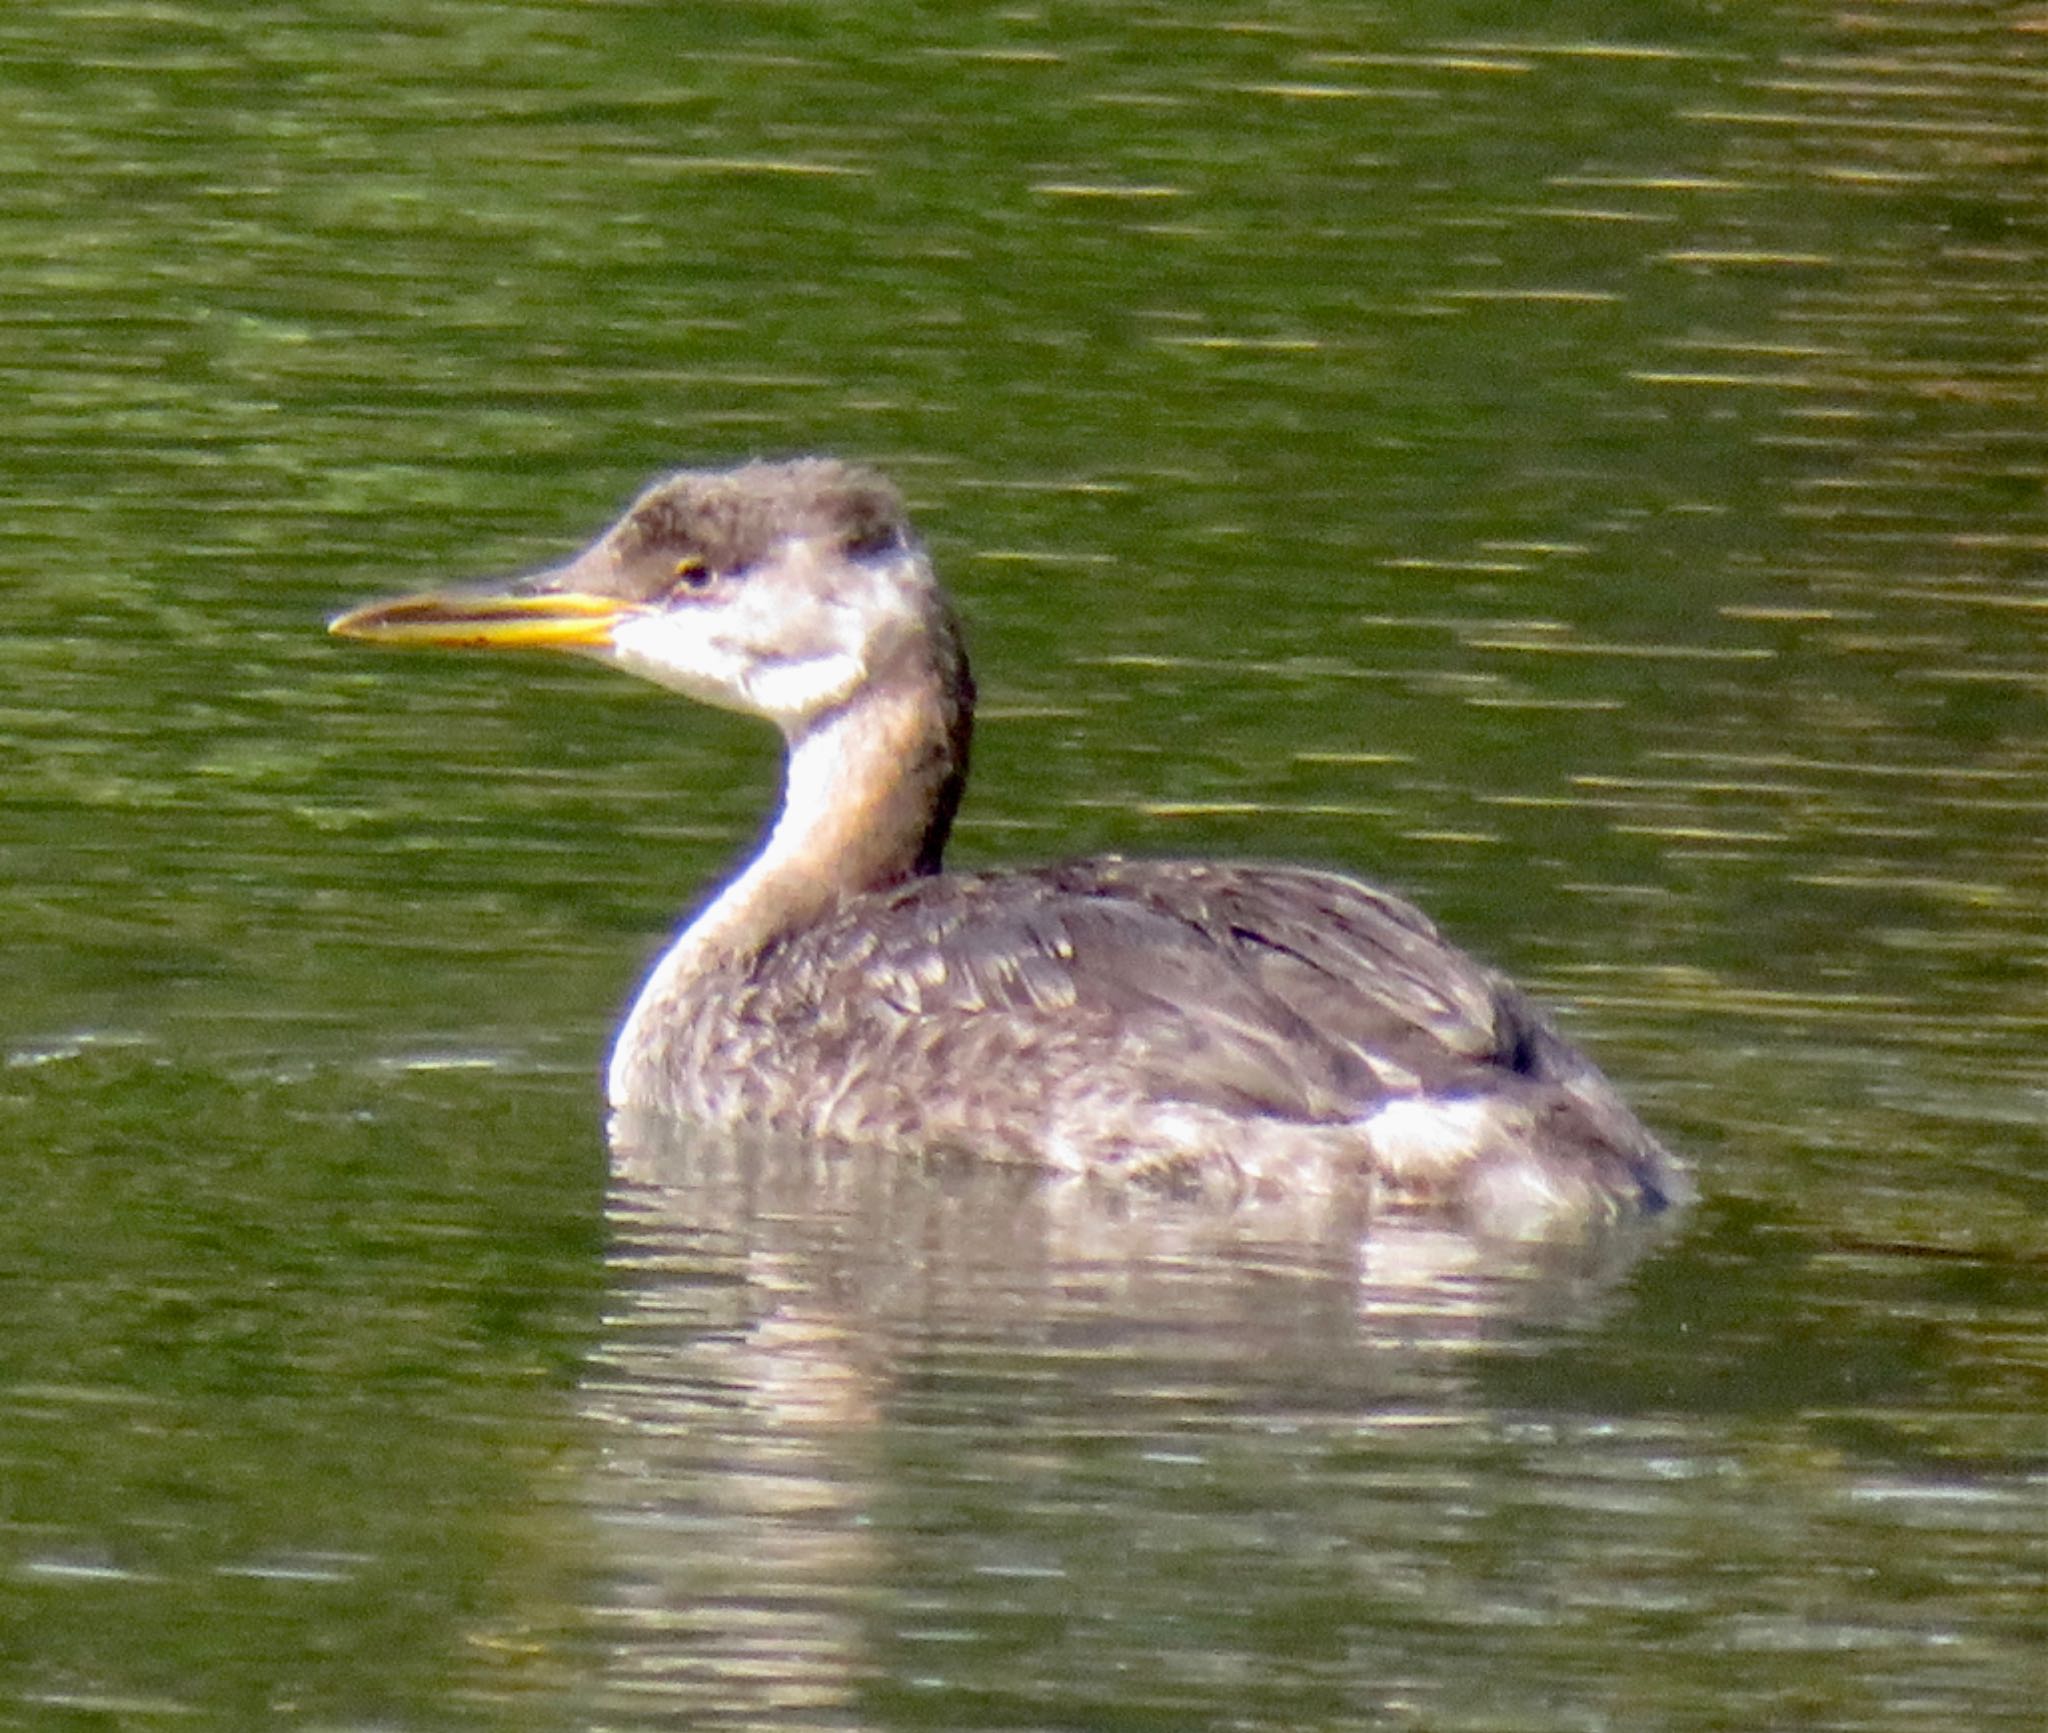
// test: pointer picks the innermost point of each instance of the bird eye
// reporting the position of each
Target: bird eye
(692, 574)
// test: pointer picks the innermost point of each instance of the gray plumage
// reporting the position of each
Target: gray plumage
(1234, 1027)
(1247, 1029)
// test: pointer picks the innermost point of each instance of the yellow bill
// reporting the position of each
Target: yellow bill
(489, 620)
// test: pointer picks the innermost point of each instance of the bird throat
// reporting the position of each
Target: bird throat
(869, 793)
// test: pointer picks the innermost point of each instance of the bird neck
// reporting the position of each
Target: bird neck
(869, 793)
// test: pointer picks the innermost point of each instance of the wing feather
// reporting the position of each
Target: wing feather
(1263, 989)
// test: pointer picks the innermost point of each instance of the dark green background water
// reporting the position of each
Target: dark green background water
(1585, 465)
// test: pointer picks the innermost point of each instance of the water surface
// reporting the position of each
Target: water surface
(1594, 482)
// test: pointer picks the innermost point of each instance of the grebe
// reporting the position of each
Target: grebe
(1245, 1028)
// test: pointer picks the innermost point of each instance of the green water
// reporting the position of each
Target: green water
(1584, 468)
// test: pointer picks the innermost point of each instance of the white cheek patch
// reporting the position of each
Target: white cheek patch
(790, 640)
(692, 651)
(674, 650)
(799, 687)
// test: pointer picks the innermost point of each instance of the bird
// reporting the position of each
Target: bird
(1242, 1029)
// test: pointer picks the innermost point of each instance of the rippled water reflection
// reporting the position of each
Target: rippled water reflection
(1589, 476)
(939, 1446)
